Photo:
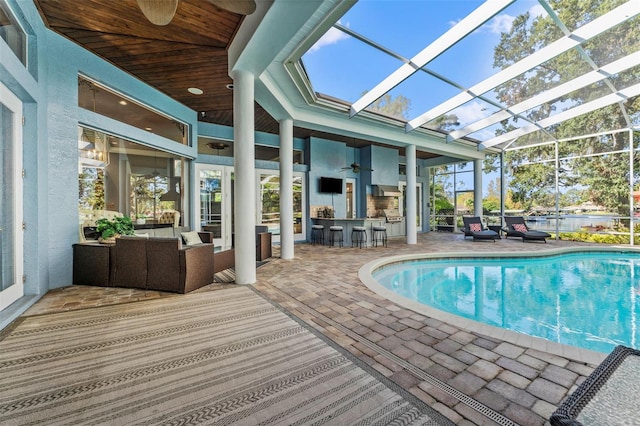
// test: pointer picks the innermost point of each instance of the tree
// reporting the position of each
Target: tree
(399, 107)
(606, 177)
(394, 107)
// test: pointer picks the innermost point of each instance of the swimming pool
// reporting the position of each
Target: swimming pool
(588, 299)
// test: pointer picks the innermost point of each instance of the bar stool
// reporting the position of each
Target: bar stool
(379, 234)
(317, 234)
(335, 235)
(359, 236)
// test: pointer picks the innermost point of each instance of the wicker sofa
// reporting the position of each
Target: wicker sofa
(163, 264)
(154, 259)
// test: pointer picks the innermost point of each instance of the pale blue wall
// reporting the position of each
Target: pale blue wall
(50, 139)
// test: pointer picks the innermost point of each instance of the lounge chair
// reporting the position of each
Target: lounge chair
(516, 227)
(473, 227)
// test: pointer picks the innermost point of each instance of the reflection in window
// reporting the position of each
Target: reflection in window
(138, 181)
(12, 34)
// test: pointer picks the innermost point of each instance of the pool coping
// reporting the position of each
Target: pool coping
(510, 336)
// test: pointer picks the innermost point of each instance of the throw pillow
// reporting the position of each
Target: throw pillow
(520, 227)
(191, 238)
(475, 227)
(141, 235)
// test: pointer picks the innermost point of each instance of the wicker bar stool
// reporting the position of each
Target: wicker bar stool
(317, 234)
(358, 236)
(335, 235)
(379, 235)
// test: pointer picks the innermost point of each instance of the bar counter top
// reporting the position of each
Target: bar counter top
(393, 229)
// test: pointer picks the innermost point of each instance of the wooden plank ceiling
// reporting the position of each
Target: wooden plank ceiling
(191, 51)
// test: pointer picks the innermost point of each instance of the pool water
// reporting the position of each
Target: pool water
(589, 299)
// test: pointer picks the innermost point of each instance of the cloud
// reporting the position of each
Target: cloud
(536, 11)
(471, 112)
(500, 24)
(332, 36)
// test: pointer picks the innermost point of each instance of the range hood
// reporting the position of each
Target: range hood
(385, 191)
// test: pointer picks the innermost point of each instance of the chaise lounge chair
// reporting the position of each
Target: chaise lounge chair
(516, 227)
(473, 228)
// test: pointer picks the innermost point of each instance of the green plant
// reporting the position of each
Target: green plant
(108, 228)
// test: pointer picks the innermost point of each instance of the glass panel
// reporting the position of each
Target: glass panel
(139, 181)
(12, 34)
(270, 202)
(442, 193)
(7, 213)
(101, 100)
(211, 201)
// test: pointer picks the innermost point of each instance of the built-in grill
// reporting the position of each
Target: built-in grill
(392, 215)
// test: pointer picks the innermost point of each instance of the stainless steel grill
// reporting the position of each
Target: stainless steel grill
(392, 215)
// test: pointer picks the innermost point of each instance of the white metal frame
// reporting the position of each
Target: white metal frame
(15, 291)
(480, 16)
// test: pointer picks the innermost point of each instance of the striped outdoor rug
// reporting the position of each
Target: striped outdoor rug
(220, 357)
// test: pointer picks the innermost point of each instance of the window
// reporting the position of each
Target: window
(139, 181)
(12, 33)
(103, 101)
(270, 202)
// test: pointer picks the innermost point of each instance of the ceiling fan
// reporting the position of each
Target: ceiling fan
(161, 12)
(355, 166)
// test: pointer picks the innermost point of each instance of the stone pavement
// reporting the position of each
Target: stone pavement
(468, 377)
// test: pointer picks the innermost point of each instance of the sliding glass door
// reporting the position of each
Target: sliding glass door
(216, 203)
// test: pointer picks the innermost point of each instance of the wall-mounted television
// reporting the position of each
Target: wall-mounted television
(332, 185)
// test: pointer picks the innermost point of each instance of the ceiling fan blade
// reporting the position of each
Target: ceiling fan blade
(158, 12)
(241, 7)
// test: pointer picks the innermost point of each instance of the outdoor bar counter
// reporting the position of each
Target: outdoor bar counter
(395, 229)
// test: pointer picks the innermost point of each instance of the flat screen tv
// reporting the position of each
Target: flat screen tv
(332, 185)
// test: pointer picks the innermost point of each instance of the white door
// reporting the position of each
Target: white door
(11, 233)
(215, 203)
(351, 198)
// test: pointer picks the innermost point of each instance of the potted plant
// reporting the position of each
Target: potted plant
(109, 229)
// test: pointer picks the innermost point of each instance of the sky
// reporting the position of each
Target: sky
(345, 68)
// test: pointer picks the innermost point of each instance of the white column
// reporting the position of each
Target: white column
(477, 188)
(286, 188)
(245, 177)
(412, 210)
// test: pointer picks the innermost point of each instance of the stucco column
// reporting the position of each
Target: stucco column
(412, 229)
(477, 188)
(245, 177)
(286, 188)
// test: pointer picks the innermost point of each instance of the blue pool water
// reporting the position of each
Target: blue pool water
(588, 299)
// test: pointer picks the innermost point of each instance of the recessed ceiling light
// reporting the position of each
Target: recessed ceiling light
(148, 129)
(195, 91)
(230, 86)
(122, 102)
